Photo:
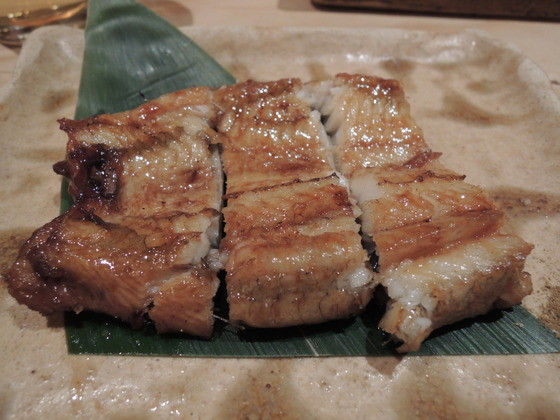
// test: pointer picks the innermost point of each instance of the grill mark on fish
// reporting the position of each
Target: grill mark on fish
(271, 187)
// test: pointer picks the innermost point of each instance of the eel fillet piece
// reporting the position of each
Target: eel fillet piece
(138, 240)
(441, 255)
(292, 247)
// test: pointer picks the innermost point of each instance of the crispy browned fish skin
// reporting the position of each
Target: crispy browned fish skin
(79, 262)
(293, 266)
(271, 138)
(147, 192)
(419, 214)
(173, 129)
(423, 209)
(294, 255)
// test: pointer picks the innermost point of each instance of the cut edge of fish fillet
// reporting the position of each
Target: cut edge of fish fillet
(184, 303)
(463, 281)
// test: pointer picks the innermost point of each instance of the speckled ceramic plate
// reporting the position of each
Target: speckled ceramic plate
(489, 110)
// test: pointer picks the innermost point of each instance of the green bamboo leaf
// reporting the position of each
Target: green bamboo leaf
(131, 55)
(513, 331)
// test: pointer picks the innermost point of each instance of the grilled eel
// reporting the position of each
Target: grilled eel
(137, 242)
(292, 245)
(442, 254)
(141, 239)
